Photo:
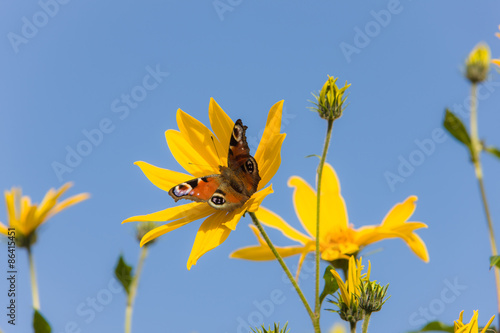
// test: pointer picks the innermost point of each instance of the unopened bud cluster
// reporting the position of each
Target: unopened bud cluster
(330, 102)
(143, 228)
(372, 296)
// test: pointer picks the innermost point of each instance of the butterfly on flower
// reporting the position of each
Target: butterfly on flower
(233, 186)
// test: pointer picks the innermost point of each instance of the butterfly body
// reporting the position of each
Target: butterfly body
(235, 184)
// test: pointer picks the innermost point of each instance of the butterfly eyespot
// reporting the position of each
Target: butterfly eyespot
(217, 200)
(249, 166)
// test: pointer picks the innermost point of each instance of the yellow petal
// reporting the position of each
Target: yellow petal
(162, 178)
(272, 220)
(195, 160)
(192, 210)
(333, 211)
(485, 329)
(181, 218)
(262, 252)
(3, 229)
(199, 137)
(268, 154)
(211, 234)
(269, 159)
(400, 213)
(67, 203)
(304, 201)
(222, 125)
(496, 61)
(253, 204)
(231, 219)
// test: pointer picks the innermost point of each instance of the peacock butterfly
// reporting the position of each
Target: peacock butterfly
(233, 186)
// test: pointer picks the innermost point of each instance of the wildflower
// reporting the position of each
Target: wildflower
(477, 64)
(472, 326)
(26, 217)
(338, 238)
(200, 152)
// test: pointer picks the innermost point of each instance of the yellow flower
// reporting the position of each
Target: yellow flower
(338, 238)
(472, 326)
(477, 64)
(200, 152)
(26, 217)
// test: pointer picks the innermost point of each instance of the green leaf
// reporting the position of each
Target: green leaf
(435, 326)
(313, 155)
(493, 151)
(123, 274)
(456, 128)
(494, 261)
(40, 324)
(331, 285)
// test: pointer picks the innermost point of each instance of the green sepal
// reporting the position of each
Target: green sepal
(493, 151)
(494, 261)
(123, 274)
(331, 285)
(456, 128)
(435, 326)
(40, 325)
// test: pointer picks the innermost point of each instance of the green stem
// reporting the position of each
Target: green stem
(317, 307)
(133, 290)
(314, 318)
(34, 285)
(353, 327)
(476, 160)
(364, 328)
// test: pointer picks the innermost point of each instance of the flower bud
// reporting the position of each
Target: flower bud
(372, 296)
(142, 229)
(330, 102)
(477, 64)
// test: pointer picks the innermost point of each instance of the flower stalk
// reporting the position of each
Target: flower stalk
(366, 320)
(317, 307)
(312, 315)
(133, 290)
(476, 160)
(34, 285)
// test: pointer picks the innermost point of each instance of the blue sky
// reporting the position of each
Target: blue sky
(68, 75)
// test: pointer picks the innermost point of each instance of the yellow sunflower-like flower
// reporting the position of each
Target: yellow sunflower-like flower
(472, 326)
(200, 152)
(338, 238)
(26, 217)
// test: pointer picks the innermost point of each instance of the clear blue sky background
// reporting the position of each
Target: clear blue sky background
(65, 76)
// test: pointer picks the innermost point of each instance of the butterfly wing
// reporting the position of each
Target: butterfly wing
(198, 189)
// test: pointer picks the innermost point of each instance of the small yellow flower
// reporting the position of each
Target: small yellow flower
(200, 152)
(338, 238)
(477, 64)
(338, 328)
(26, 217)
(472, 326)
